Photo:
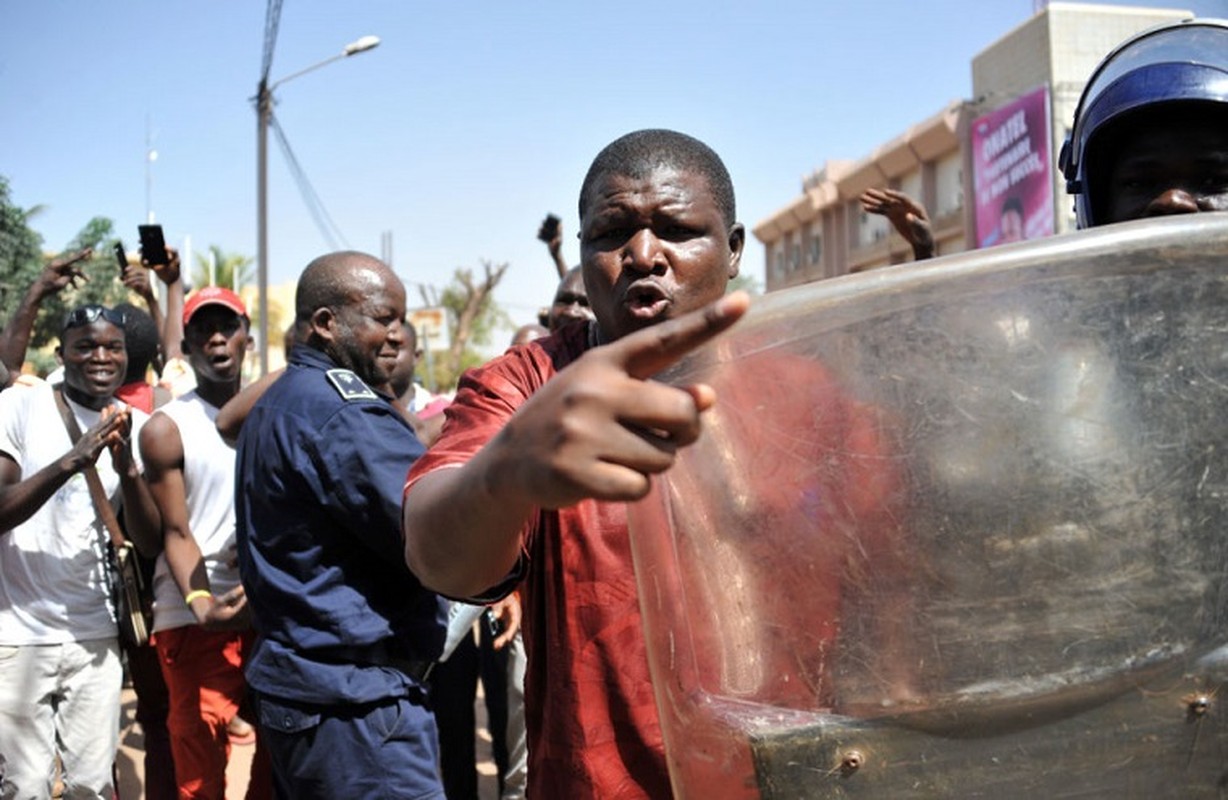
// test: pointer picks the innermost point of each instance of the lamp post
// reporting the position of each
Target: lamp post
(264, 113)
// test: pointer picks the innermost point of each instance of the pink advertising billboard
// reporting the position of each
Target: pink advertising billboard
(1012, 171)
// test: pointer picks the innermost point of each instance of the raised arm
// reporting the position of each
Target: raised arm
(599, 429)
(64, 270)
(551, 232)
(907, 216)
(136, 279)
(172, 324)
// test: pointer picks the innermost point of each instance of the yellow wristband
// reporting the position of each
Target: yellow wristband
(196, 595)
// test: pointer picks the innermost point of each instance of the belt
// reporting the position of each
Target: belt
(377, 655)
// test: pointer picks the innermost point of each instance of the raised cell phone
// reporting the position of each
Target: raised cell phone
(121, 257)
(549, 228)
(153, 245)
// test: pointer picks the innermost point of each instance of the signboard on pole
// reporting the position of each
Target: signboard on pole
(1012, 171)
(432, 327)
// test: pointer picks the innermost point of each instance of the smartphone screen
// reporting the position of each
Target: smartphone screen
(153, 246)
(121, 257)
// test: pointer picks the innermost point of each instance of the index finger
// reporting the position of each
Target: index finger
(647, 352)
(63, 261)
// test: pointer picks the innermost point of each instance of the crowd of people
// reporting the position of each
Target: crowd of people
(309, 534)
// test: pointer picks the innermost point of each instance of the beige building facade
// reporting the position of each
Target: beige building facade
(824, 233)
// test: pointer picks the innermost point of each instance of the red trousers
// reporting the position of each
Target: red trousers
(204, 676)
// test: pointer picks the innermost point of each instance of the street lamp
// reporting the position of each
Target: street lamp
(264, 113)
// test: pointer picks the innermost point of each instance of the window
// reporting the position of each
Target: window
(910, 185)
(949, 183)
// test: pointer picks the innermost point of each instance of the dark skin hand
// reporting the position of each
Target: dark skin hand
(141, 514)
(110, 432)
(168, 273)
(602, 431)
(598, 429)
(137, 280)
(907, 216)
(19, 499)
(62, 271)
(224, 612)
(119, 441)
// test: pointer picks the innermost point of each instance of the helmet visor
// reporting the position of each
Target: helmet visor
(1194, 44)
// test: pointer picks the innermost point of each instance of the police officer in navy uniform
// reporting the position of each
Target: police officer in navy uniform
(346, 633)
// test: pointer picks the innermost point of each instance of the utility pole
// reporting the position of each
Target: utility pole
(264, 115)
(264, 109)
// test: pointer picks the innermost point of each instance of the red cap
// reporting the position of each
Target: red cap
(213, 295)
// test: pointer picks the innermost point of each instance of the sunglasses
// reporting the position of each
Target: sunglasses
(88, 315)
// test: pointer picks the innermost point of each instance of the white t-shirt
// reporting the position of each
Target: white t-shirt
(53, 580)
(209, 483)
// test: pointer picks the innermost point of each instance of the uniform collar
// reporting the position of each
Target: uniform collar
(303, 355)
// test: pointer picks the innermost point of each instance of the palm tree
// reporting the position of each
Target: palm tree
(231, 270)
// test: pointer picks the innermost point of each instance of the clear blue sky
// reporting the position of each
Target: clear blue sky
(467, 124)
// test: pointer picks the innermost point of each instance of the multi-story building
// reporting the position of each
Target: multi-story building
(968, 162)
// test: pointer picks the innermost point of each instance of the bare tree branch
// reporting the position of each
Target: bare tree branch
(472, 301)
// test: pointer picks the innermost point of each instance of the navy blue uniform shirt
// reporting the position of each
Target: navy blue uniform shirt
(319, 474)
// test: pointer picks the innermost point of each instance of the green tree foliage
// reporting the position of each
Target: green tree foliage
(21, 257)
(745, 282)
(235, 271)
(231, 270)
(102, 284)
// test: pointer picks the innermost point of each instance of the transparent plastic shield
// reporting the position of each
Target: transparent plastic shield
(956, 530)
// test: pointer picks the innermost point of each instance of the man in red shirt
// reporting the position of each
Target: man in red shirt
(543, 446)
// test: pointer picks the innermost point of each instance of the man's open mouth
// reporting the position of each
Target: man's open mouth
(647, 300)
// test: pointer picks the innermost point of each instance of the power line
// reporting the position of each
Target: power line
(324, 222)
(272, 19)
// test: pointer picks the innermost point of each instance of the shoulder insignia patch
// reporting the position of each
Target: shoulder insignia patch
(350, 386)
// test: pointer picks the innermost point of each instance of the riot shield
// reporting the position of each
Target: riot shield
(956, 529)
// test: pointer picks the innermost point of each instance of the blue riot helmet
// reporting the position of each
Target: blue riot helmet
(1179, 62)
